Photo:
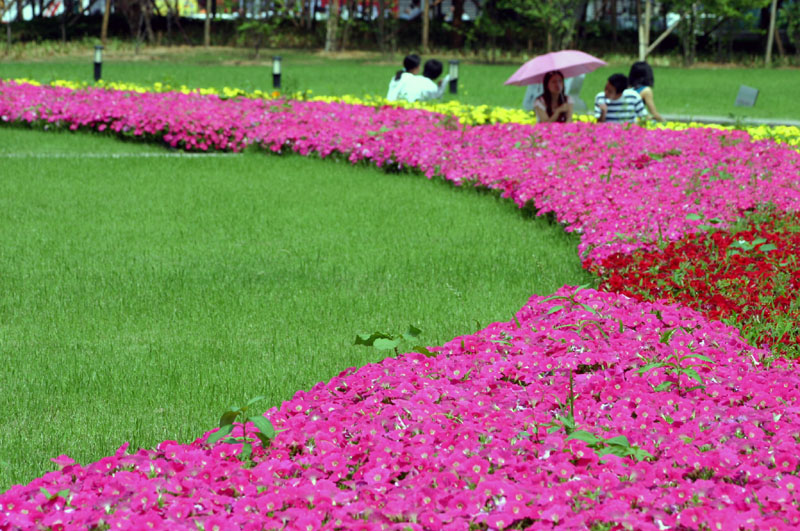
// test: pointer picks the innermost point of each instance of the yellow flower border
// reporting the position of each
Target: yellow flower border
(467, 114)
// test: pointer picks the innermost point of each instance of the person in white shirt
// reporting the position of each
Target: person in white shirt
(424, 87)
(554, 105)
(410, 69)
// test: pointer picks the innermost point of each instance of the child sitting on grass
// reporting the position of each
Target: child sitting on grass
(410, 69)
(618, 103)
(424, 87)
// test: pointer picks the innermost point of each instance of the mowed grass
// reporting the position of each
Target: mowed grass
(142, 295)
(698, 91)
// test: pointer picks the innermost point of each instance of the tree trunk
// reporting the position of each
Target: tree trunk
(779, 43)
(693, 36)
(578, 32)
(344, 41)
(640, 28)
(381, 25)
(207, 25)
(395, 28)
(139, 32)
(426, 24)
(62, 19)
(306, 12)
(177, 15)
(644, 27)
(170, 14)
(104, 27)
(8, 33)
(574, 20)
(458, 24)
(147, 25)
(771, 33)
(333, 19)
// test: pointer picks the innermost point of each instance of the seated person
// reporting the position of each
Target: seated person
(641, 80)
(572, 87)
(554, 105)
(424, 87)
(618, 103)
(410, 69)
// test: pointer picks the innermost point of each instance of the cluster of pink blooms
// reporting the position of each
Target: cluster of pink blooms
(483, 434)
(463, 438)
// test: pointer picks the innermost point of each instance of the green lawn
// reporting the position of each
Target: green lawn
(140, 294)
(695, 91)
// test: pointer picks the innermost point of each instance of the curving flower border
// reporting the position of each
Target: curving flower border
(465, 113)
(588, 410)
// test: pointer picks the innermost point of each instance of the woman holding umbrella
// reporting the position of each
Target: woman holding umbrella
(553, 105)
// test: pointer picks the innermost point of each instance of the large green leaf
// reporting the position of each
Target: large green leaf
(640, 454)
(423, 350)
(368, 339)
(256, 399)
(663, 387)
(412, 333)
(580, 288)
(650, 366)
(265, 441)
(386, 344)
(264, 425)
(697, 356)
(585, 436)
(666, 336)
(619, 440)
(620, 451)
(228, 417)
(219, 434)
(691, 373)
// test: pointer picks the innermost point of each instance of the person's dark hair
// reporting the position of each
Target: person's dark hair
(548, 98)
(433, 69)
(411, 62)
(641, 75)
(619, 82)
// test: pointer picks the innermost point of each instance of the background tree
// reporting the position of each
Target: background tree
(556, 19)
(789, 18)
(709, 18)
(332, 26)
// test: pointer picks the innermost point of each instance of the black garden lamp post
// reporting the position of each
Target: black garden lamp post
(98, 62)
(276, 71)
(453, 73)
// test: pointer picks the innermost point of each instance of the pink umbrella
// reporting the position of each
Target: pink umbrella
(571, 63)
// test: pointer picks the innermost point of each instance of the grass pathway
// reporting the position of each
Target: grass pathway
(139, 296)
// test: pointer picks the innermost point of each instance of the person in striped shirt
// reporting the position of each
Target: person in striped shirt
(618, 103)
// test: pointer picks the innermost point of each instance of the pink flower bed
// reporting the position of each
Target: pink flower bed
(438, 443)
(588, 409)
